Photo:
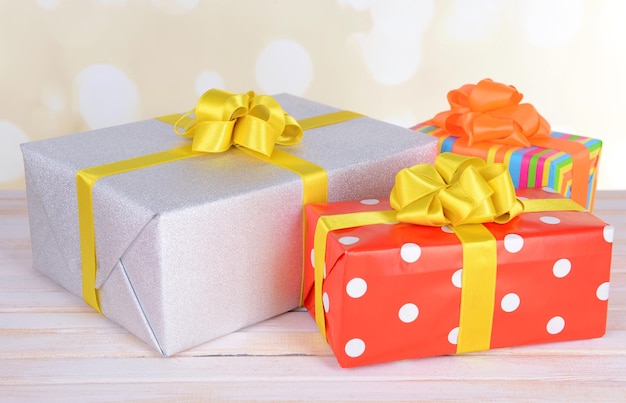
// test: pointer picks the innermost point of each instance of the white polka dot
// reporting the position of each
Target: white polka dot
(370, 202)
(473, 21)
(561, 268)
(355, 348)
(348, 240)
(447, 229)
(313, 261)
(602, 292)
(513, 243)
(608, 233)
(11, 136)
(326, 302)
(453, 336)
(549, 220)
(356, 287)
(106, 96)
(284, 66)
(207, 80)
(48, 4)
(510, 302)
(548, 189)
(408, 313)
(522, 198)
(457, 278)
(555, 325)
(410, 252)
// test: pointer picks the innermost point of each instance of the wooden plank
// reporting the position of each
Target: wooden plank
(22, 280)
(123, 344)
(329, 390)
(82, 320)
(305, 368)
(43, 322)
(41, 301)
(69, 344)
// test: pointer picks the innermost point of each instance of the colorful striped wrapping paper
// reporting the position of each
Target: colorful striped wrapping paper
(529, 166)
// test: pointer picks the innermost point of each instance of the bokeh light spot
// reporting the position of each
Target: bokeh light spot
(284, 66)
(106, 96)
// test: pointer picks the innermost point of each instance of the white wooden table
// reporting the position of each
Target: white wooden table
(55, 348)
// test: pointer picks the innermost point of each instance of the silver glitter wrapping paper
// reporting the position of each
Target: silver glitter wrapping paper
(191, 250)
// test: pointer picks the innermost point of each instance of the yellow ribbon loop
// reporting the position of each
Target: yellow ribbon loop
(252, 122)
(457, 190)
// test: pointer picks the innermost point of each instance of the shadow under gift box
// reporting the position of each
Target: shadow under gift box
(194, 249)
(393, 291)
(533, 166)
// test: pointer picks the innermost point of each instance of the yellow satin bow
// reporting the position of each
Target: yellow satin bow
(457, 190)
(249, 121)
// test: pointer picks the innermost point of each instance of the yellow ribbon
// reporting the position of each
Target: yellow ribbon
(252, 123)
(85, 180)
(462, 192)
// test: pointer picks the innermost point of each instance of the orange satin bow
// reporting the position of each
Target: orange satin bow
(491, 111)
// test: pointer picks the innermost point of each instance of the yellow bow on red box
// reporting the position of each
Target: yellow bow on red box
(462, 192)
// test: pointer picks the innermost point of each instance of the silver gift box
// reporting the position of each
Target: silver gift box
(194, 249)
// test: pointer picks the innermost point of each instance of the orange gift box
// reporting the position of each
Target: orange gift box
(393, 291)
(488, 120)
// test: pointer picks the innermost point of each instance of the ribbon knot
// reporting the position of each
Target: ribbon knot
(457, 190)
(253, 122)
(491, 111)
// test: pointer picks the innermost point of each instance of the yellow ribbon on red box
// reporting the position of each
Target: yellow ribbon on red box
(252, 123)
(463, 193)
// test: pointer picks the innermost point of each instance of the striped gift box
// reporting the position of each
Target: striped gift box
(530, 167)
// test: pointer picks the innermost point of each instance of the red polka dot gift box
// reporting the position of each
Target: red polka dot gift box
(488, 121)
(385, 288)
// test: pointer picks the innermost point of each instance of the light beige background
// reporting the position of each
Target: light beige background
(73, 65)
